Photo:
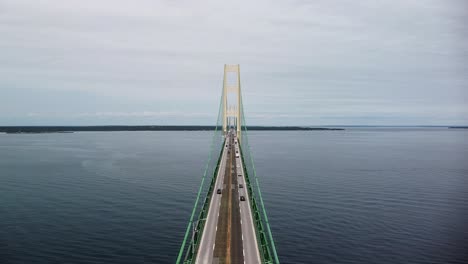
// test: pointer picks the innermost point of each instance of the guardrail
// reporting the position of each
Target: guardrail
(263, 243)
(200, 223)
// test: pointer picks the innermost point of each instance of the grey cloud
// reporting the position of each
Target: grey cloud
(302, 62)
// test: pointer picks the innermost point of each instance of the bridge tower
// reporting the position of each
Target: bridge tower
(228, 221)
(232, 110)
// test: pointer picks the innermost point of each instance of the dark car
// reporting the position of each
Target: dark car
(242, 198)
(218, 191)
(241, 186)
(239, 175)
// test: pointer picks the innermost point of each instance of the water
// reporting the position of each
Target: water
(354, 196)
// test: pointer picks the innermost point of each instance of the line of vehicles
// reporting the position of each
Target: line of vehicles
(240, 179)
(239, 169)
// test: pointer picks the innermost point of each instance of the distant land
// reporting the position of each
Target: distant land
(70, 129)
(460, 127)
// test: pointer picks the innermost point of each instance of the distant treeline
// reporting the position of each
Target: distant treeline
(63, 129)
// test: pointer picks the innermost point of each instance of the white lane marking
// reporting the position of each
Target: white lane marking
(213, 246)
(242, 237)
(249, 217)
(213, 209)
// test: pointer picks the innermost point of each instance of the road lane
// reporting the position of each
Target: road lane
(228, 243)
(205, 250)
(229, 235)
(250, 245)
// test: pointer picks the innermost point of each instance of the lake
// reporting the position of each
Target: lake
(362, 195)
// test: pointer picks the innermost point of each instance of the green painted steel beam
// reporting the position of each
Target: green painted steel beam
(194, 244)
(272, 243)
(266, 244)
(184, 242)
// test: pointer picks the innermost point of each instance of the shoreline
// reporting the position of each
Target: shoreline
(71, 129)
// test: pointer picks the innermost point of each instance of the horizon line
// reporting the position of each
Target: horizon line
(179, 125)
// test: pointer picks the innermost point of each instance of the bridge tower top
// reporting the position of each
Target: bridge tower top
(232, 108)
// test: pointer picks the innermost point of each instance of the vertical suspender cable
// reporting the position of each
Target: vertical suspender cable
(259, 192)
(182, 248)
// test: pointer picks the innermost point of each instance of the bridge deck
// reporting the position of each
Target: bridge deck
(229, 234)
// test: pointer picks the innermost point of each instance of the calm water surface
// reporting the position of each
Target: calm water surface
(355, 196)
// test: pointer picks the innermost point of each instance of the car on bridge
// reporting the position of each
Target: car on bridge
(240, 185)
(218, 191)
(242, 198)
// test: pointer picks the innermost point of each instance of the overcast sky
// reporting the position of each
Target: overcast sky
(396, 62)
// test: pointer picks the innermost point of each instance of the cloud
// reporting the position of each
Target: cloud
(121, 114)
(302, 58)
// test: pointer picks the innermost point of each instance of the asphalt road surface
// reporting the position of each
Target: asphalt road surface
(229, 234)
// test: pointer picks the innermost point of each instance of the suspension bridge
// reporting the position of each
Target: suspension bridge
(229, 223)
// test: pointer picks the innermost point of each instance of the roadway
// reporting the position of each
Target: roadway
(228, 243)
(251, 253)
(229, 234)
(205, 250)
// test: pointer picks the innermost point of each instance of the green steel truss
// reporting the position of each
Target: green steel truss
(188, 250)
(266, 244)
(199, 225)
